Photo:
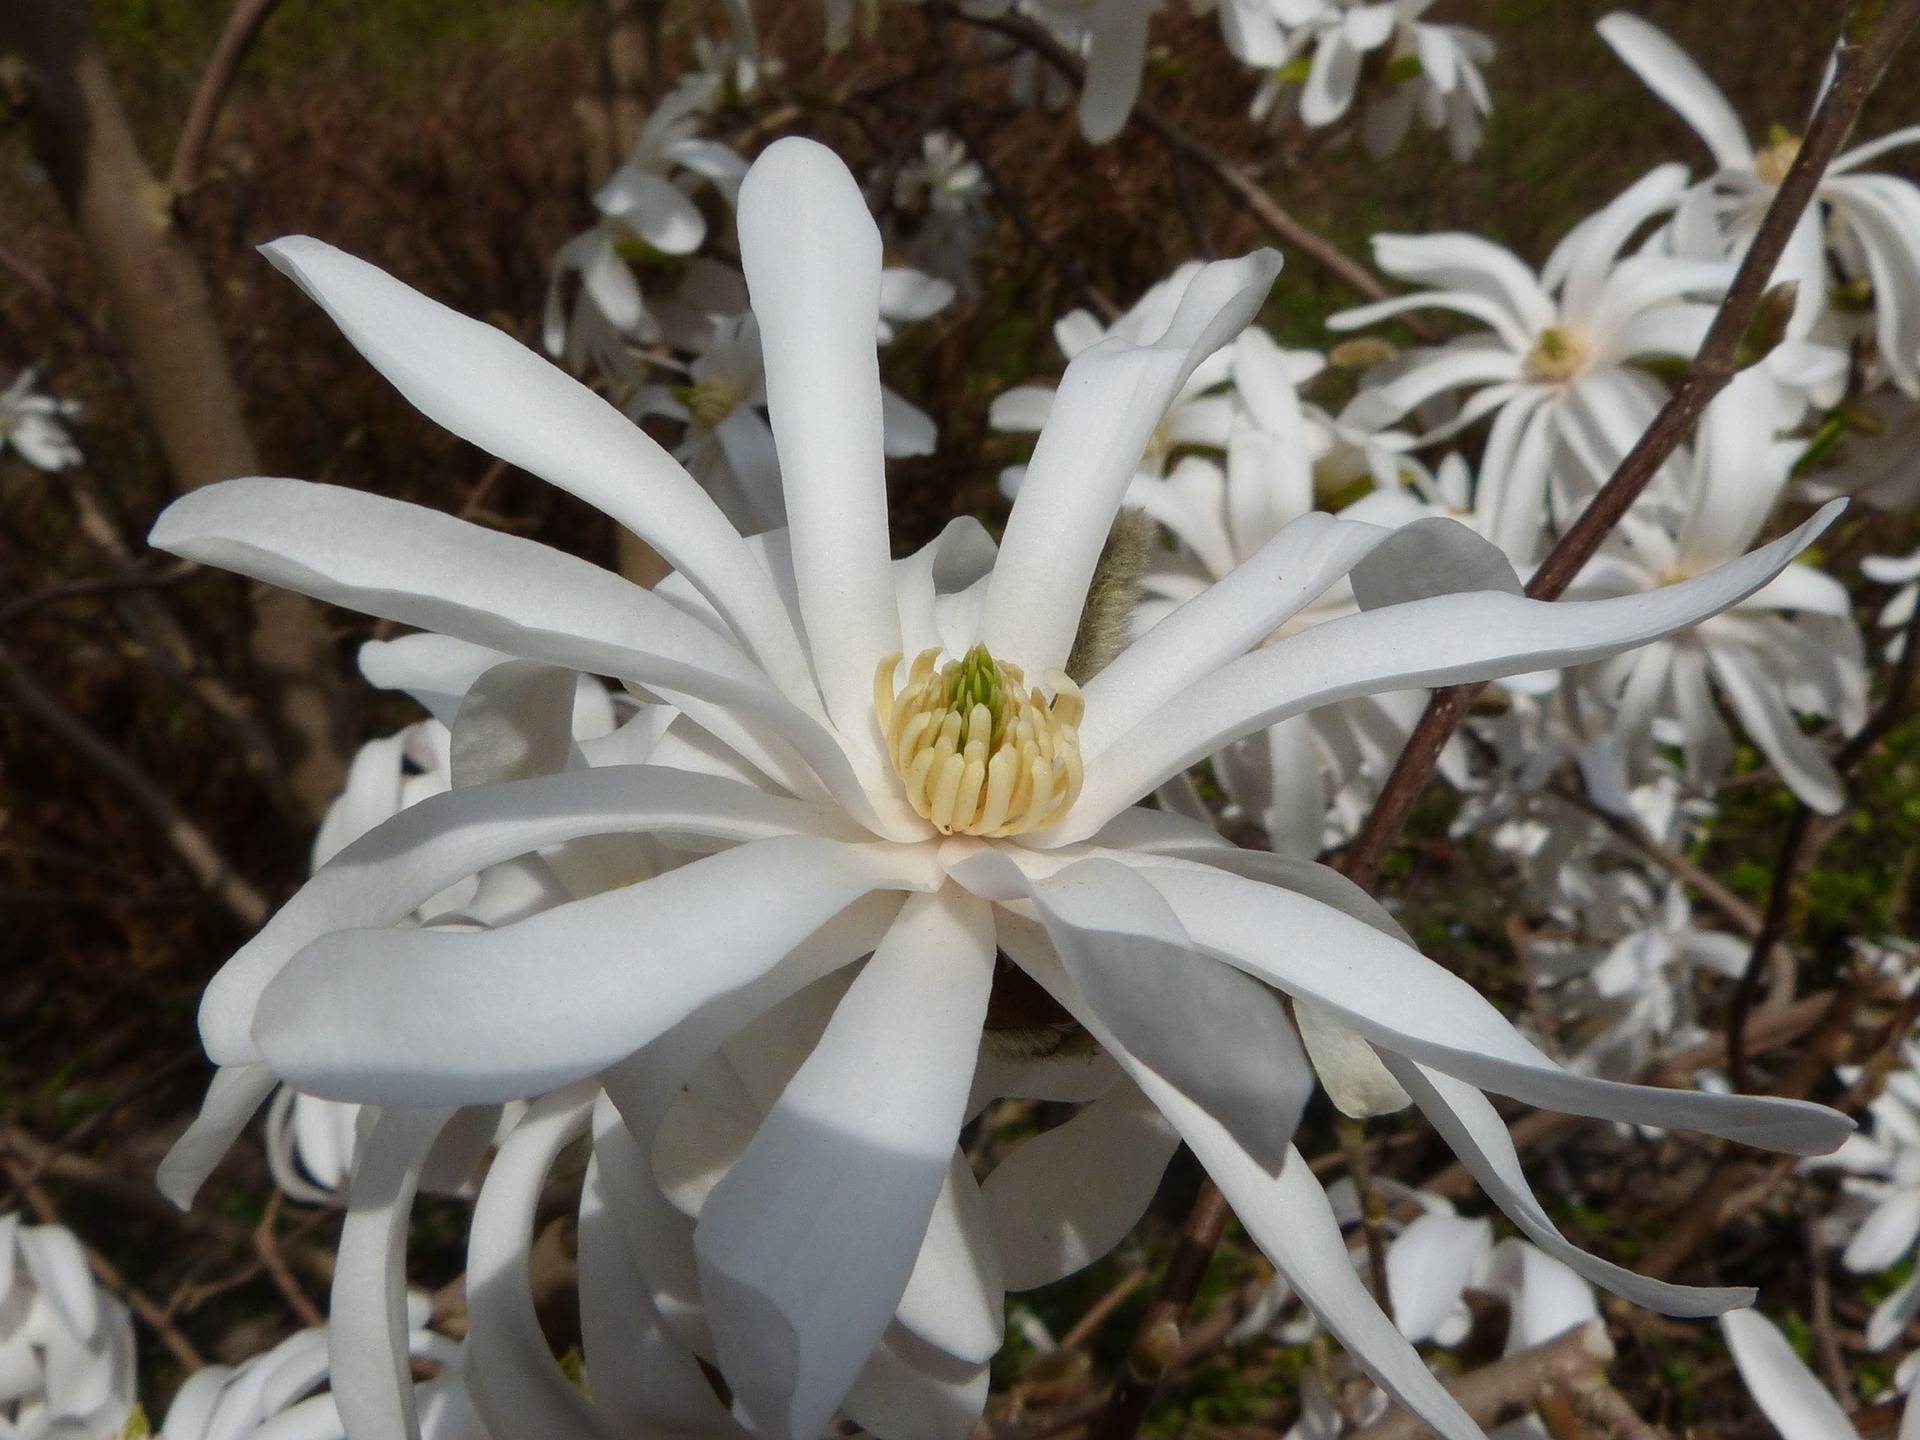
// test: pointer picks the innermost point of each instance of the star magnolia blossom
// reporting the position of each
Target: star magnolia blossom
(827, 846)
(1434, 70)
(1555, 367)
(66, 1347)
(1800, 1407)
(1881, 1176)
(30, 424)
(1791, 647)
(280, 1392)
(643, 202)
(1871, 222)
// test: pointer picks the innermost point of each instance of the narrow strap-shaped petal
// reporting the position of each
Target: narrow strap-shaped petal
(517, 1385)
(1130, 959)
(1115, 58)
(1402, 1002)
(1108, 404)
(440, 1017)
(487, 388)
(1048, 1222)
(1287, 1214)
(812, 259)
(1770, 724)
(1672, 75)
(234, 1095)
(1455, 260)
(1475, 1132)
(1445, 640)
(408, 563)
(386, 874)
(955, 1299)
(1782, 1386)
(1225, 620)
(367, 1327)
(806, 1246)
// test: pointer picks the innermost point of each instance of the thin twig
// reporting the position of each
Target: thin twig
(1803, 842)
(1373, 1207)
(201, 856)
(244, 23)
(143, 1084)
(1858, 67)
(102, 585)
(266, 1243)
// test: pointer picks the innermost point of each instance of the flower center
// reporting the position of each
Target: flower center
(712, 400)
(1558, 356)
(1783, 148)
(979, 752)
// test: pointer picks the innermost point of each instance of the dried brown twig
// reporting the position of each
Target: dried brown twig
(244, 24)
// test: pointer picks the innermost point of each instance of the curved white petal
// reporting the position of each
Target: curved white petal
(806, 1246)
(1108, 404)
(1785, 1390)
(429, 1016)
(812, 259)
(1672, 75)
(478, 382)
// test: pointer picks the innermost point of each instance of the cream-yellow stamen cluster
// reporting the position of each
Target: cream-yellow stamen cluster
(981, 753)
(1559, 355)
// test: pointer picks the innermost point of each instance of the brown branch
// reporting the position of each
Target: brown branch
(266, 1244)
(1572, 1365)
(1858, 66)
(1157, 1344)
(1373, 1207)
(196, 850)
(244, 24)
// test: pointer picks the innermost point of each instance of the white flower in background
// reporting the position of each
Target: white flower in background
(1880, 1170)
(30, 424)
(66, 1346)
(1432, 71)
(1904, 572)
(1624, 989)
(1800, 1407)
(727, 445)
(311, 1141)
(1869, 223)
(645, 206)
(939, 214)
(915, 818)
(280, 1392)
(1109, 35)
(1556, 366)
(1791, 649)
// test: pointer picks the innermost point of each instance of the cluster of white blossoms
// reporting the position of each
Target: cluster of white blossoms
(66, 1346)
(716, 911)
(30, 424)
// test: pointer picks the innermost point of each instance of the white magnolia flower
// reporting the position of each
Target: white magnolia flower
(30, 424)
(1110, 35)
(1871, 223)
(916, 821)
(280, 1392)
(1433, 71)
(1881, 1178)
(645, 204)
(1626, 986)
(1792, 648)
(1800, 1407)
(1555, 367)
(66, 1346)
(939, 214)
(727, 445)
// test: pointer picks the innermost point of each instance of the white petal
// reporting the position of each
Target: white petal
(1428, 1267)
(367, 1329)
(1109, 402)
(806, 1246)
(1672, 75)
(482, 385)
(812, 258)
(1048, 1221)
(1887, 1235)
(1785, 1390)
(1440, 641)
(431, 1016)
(1114, 61)
(384, 876)
(233, 1096)
(657, 210)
